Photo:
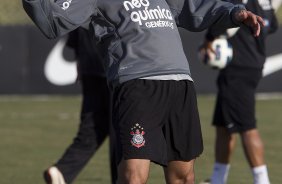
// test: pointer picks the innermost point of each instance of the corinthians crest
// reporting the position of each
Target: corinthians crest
(137, 132)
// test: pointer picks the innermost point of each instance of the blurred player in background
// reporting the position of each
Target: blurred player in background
(235, 105)
(95, 112)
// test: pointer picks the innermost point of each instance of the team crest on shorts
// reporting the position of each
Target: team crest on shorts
(137, 132)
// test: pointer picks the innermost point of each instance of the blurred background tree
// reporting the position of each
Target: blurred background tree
(12, 13)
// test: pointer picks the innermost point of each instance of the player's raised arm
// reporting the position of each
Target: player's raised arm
(60, 17)
(197, 15)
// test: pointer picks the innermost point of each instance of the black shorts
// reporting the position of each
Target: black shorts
(157, 120)
(235, 104)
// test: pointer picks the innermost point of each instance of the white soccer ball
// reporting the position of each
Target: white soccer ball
(222, 56)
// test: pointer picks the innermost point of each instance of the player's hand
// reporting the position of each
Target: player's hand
(251, 20)
(205, 50)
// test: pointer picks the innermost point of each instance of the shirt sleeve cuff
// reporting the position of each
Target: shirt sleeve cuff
(236, 9)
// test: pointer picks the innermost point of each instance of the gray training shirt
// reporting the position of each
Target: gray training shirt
(137, 38)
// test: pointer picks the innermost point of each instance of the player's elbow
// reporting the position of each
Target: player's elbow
(195, 28)
(49, 33)
(196, 25)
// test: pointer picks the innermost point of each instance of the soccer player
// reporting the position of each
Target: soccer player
(95, 113)
(235, 105)
(155, 111)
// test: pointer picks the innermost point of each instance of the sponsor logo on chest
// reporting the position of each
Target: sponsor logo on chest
(66, 4)
(265, 4)
(144, 14)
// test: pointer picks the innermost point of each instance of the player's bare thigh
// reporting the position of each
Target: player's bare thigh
(180, 172)
(133, 171)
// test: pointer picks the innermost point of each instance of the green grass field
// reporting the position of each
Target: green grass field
(35, 131)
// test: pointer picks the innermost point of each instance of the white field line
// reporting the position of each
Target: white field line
(269, 96)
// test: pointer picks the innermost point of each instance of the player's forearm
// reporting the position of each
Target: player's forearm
(201, 14)
(55, 19)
